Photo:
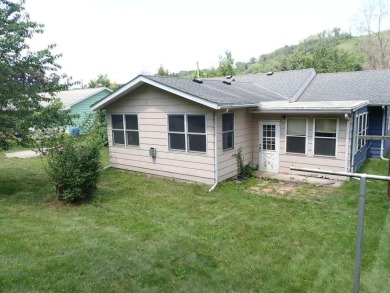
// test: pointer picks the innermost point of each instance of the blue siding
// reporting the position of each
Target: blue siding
(387, 132)
(361, 155)
(375, 116)
(84, 109)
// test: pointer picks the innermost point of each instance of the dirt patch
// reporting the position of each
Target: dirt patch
(290, 190)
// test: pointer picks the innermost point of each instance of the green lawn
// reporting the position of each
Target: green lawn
(142, 234)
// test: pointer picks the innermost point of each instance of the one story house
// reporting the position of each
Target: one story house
(191, 129)
(79, 102)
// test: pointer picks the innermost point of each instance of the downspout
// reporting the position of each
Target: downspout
(383, 133)
(215, 152)
(346, 116)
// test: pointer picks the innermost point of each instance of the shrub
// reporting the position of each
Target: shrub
(73, 165)
(242, 169)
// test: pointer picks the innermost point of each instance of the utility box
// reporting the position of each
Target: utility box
(153, 152)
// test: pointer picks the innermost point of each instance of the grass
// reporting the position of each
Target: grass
(142, 234)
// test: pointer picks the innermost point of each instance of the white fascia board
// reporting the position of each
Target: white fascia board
(138, 81)
(306, 108)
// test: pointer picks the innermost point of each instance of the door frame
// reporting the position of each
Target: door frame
(277, 144)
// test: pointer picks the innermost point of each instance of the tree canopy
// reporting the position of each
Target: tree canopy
(103, 81)
(28, 79)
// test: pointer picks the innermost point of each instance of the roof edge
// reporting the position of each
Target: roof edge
(142, 79)
(83, 99)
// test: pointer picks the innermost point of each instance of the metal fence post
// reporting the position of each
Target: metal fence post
(359, 233)
(360, 223)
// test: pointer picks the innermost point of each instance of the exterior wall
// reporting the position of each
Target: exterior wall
(244, 129)
(361, 155)
(387, 132)
(83, 109)
(375, 120)
(152, 106)
(309, 160)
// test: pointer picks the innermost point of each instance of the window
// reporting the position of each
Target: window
(362, 126)
(125, 129)
(325, 137)
(187, 132)
(228, 131)
(296, 135)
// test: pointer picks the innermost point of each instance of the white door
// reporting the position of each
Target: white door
(269, 146)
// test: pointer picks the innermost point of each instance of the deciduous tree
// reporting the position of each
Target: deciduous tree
(376, 45)
(25, 76)
(103, 81)
(226, 64)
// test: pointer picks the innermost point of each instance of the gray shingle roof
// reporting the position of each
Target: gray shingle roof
(71, 97)
(372, 85)
(243, 90)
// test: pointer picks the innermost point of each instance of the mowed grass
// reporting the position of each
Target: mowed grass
(144, 234)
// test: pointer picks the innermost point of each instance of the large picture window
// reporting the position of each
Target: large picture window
(325, 137)
(187, 132)
(296, 135)
(228, 131)
(362, 127)
(125, 129)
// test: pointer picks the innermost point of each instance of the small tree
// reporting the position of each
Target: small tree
(226, 64)
(72, 165)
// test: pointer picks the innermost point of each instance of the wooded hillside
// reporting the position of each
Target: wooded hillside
(328, 51)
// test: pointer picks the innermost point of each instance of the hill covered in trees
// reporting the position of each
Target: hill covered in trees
(328, 51)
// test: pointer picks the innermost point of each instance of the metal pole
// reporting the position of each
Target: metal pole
(359, 233)
(360, 223)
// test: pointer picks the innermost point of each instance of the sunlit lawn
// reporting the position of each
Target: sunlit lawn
(142, 234)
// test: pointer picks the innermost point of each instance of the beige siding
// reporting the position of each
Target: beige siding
(310, 160)
(152, 106)
(243, 137)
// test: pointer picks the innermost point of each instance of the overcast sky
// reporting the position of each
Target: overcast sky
(124, 38)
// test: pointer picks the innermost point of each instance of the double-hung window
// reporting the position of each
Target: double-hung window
(325, 137)
(187, 132)
(296, 135)
(125, 129)
(228, 131)
(362, 127)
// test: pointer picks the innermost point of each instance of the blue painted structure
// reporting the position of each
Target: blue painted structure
(375, 120)
(361, 155)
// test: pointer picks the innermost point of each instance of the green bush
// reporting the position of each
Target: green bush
(242, 169)
(73, 165)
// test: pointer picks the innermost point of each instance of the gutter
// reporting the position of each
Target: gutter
(215, 152)
(304, 111)
(227, 107)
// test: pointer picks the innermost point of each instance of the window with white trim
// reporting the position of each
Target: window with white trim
(125, 129)
(362, 127)
(325, 137)
(296, 135)
(187, 132)
(227, 131)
